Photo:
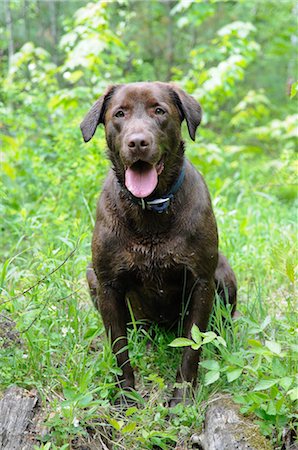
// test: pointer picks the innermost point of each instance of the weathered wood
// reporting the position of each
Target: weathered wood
(226, 429)
(17, 409)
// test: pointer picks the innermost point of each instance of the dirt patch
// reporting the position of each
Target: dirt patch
(8, 333)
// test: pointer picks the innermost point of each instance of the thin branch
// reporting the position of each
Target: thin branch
(42, 279)
(44, 307)
(6, 317)
(9, 32)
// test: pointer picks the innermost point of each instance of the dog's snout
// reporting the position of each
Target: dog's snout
(138, 141)
(139, 145)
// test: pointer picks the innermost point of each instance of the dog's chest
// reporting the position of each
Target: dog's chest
(151, 253)
(155, 278)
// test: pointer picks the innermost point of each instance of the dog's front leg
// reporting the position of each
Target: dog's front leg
(198, 313)
(114, 313)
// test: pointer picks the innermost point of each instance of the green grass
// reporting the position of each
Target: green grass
(50, 185)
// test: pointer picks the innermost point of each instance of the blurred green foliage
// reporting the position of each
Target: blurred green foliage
(239, 60)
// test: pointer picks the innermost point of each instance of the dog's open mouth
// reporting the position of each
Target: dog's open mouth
(141, 178)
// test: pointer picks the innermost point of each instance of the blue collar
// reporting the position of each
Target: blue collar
(161, 204)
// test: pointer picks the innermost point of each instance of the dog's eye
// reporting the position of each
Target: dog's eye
(159, 111)
(119, 113)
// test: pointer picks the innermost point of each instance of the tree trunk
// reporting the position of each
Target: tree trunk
(53, 19)
(9, 29)
(170, 41)
(26, 21)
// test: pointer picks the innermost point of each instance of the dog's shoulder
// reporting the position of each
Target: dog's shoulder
(196, 188)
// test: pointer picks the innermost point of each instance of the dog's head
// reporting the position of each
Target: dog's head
(143, 131)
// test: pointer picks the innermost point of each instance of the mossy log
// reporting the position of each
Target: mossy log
(226, 429)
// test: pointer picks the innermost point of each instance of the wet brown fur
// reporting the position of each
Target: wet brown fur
(146, 257)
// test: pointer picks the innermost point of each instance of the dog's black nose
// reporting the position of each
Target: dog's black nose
(138, 141)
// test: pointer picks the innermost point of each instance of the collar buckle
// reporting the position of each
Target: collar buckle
(159, 205)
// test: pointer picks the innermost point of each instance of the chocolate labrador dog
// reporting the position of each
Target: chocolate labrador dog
(155, 243)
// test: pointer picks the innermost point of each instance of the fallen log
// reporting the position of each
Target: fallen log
(17, 409)
(226, 429)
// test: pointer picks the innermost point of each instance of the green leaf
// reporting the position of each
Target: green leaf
(294, 347)
(210, 364)
(130, 411)
(129, 427)
(294, 89)
(181, 342)
(221, 341)
(257, 361)
(211, 377)
(134, 395)
(293, 394)
(196, 346)
(254, 343)
(234, 374)
(47, 446)
(264, 384)
(70, 394)
(85, 401)
(196, 334)
(290, 270)
(209, 337)
(115, 424)
(91, 332)
(286, 382)
(4, 271)
(273, 346)
(73, 77)
(271, 408)
(265, 322)
(278, 367)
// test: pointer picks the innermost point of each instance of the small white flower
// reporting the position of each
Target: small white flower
(75, 422)
(25, 356)
(65, 330)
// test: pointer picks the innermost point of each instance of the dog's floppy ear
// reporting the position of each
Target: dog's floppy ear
(96, 114)
(189, 109)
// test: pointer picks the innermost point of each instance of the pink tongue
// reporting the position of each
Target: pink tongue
(141, 183)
